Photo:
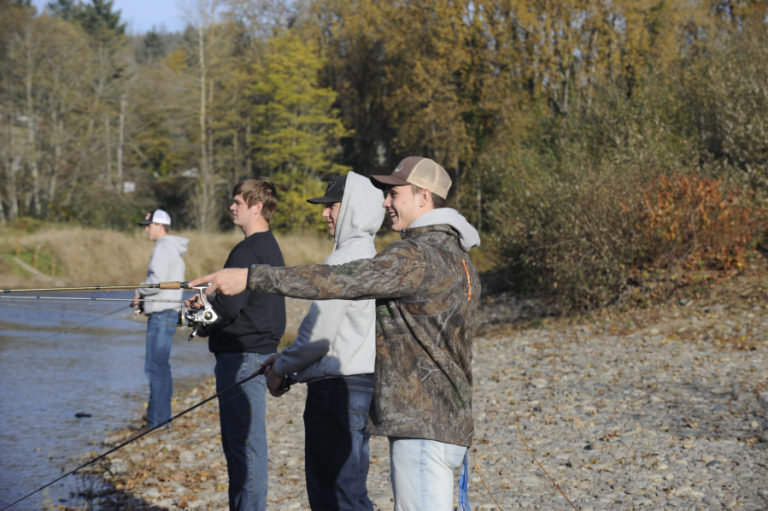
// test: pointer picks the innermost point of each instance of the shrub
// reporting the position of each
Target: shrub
(570, 236)
(690, 220)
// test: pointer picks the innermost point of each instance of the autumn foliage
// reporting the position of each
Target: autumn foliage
(692, 221)
(591, 142)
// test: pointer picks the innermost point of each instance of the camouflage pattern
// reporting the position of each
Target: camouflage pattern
(427, 293)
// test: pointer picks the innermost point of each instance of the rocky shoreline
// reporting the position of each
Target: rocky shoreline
(663, 408)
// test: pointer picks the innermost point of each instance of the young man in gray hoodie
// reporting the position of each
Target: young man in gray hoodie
(162, 310)
(427, 293)
(334, 353)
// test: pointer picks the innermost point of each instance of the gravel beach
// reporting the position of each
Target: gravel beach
(663, 408)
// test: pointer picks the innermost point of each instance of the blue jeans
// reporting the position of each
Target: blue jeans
(336, 445)
(243, 429)
(422, 473)
(157, 365)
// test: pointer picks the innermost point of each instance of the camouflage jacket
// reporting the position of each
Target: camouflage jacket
(427, 293)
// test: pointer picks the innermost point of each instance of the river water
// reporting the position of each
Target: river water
(62, 358)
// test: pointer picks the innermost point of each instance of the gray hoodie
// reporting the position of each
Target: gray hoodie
(165, 265)
(468, 235)
(338, 337)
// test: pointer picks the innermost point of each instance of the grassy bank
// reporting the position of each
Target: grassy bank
(55, 255)
(63, 255)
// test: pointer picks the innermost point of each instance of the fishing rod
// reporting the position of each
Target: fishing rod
(159, 285)
(196, 317)
(287, 382)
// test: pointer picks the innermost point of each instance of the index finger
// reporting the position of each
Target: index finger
(202, 280)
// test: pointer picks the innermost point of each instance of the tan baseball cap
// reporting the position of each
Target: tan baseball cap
(419, 171)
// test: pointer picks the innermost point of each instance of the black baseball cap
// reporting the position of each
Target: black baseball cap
(333, 193)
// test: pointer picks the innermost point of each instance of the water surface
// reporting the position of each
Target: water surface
(59, 359)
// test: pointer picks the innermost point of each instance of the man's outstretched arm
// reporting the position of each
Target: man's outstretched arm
(397, 271)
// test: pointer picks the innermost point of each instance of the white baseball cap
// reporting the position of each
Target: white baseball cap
(158, 216)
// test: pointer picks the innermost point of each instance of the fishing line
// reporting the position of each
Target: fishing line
(63, 309)
(533, 456)
(131, 440)
(27, 303)
(480, 473)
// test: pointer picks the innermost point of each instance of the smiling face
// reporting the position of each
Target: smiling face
(404, 206)
(331, 215)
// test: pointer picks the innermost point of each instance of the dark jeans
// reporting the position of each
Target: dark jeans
(157, 365)
(243, 431)
(336, 446)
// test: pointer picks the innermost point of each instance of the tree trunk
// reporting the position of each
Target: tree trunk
(31, 152)
(34, 169)
(247, 149)
(108, 150)
(58, 128)
(204, 205)
(209, 127)
(10, 187)
(5, 157)
(120, 141)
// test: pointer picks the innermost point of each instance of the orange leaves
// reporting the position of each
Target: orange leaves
(692, 220)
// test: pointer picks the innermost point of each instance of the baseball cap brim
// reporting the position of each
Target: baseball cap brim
(334, 192)
(323, 200)
(390, 180)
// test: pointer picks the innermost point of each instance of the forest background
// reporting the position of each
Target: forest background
(598, 145)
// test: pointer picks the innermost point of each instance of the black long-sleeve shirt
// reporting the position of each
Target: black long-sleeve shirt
(251, 321)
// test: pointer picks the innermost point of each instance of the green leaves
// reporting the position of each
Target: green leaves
(298, 129)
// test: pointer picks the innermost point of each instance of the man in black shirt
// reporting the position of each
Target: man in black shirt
(247, 332)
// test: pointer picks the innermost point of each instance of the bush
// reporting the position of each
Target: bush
(99, 208)
(571, 238)
(690, 220)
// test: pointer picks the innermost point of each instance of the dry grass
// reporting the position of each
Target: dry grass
(75, 256)
(62, 255)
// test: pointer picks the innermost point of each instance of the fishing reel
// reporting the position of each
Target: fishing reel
(200, 317)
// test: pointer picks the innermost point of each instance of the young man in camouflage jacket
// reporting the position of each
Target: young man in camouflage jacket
(426, 292)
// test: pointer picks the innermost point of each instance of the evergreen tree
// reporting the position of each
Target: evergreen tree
(152, 48)
(298, 130)
(298, 126)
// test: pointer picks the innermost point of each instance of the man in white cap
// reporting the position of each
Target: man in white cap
(162, 311)
(426, 292)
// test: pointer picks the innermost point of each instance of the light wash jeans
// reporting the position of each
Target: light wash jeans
(157, 365)
(243, 430)
(422, 473)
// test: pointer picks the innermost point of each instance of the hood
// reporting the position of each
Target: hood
(174, 242)
(468, 235)
(360, 217)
